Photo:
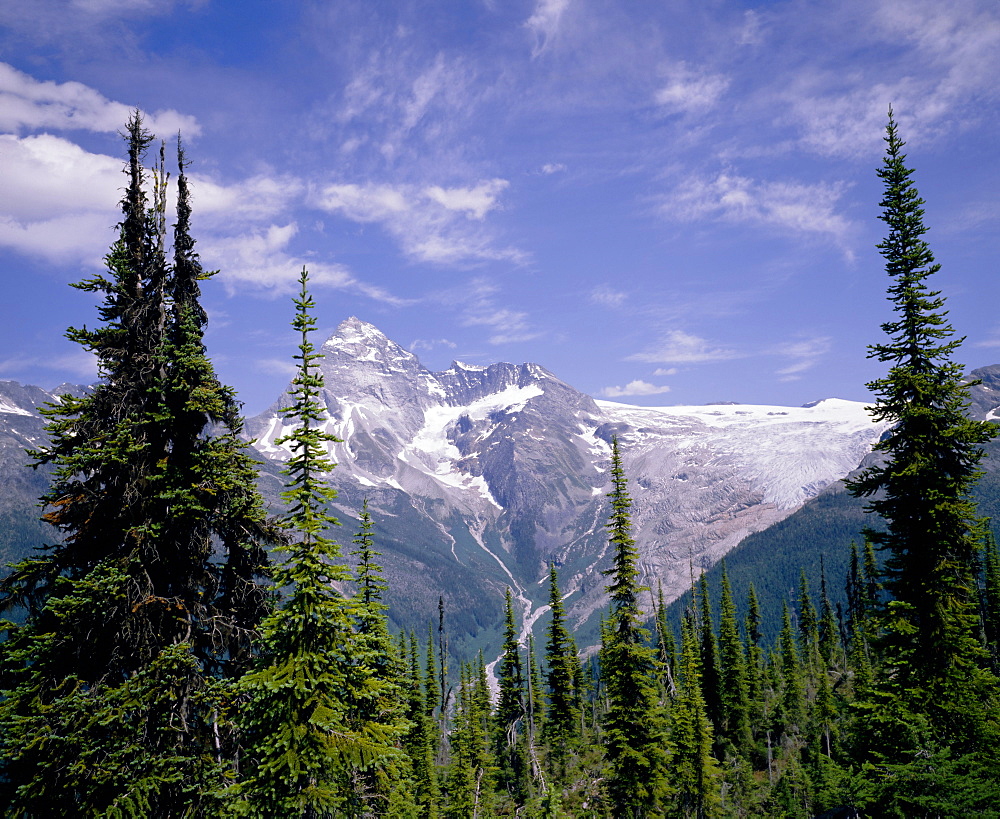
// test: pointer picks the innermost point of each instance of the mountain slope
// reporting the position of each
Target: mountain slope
(478, 476)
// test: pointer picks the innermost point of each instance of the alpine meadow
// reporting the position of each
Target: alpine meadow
(191, 641)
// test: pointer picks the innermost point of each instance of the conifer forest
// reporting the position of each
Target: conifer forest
(179, 650)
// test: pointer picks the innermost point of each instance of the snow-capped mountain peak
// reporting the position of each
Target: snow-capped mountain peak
(513, 463)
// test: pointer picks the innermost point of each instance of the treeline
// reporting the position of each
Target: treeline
(166, 667)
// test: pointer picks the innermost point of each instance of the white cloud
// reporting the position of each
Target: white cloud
(604, 296)
(474, 202)
(786, 205)
(687, 91)
(57, 201)
(30, 104)
(481, 310)
(427, 222)
(637, 387)
(258, 198)
(805, 355)
(544, 21)
(80, 363)
(46, 175)
(550, 168)
(678, 347)
(665, 371)
(277, 366)
(261, 259)
(430, 344)
(60, 202)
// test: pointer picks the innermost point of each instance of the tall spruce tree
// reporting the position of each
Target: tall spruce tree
(304, 735)
(635, 735)
(934, 695)
(384, 788)
(735, 711)
(114, 685)
(695, 771)
(562, 723)
(510, 751)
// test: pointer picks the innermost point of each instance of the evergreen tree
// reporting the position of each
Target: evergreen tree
(735, 725)
(666, 654)
(112, 696)
(562, 723)
(991, 599)
(828, 630)
(382, 788)
(755, 656)
(471, 779)
(509, 751)
(695, 770)
(808, 621)
(710, 679)
(420, 743)
(792, 685)
(933, 692)
(304, 735)
(635, 742)
(536, 697)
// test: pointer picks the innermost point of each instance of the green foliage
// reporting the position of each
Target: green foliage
(471, 778)
(510, 748)
(696, 774)
(635, 734)
(562, 723)
(734, 724)
(308, 716)
(155, 588)
(933, 675)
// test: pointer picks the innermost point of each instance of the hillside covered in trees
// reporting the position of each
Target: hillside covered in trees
(184, 654)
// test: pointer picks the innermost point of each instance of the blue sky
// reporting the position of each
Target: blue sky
(662, 203)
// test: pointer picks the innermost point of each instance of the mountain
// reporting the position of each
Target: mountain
(478, 476)
(22, 427)
(823, 528)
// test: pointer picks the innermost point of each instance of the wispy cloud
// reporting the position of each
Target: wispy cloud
(678, 347)
(544, 21)
(480, 309)
(81, 364)
(687, 90)
(261, 259)
(637, 387)
(605, 296)
(804, 354)
(277, 366)
(430, 344)
(30, 104)
(431, 224)
(790, 206)
(935, 62)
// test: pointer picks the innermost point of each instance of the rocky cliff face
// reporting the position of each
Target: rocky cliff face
(494, 471)
(478, 476)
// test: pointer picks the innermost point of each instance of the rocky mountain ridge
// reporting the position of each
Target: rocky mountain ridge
(477, 476)
(510, 465)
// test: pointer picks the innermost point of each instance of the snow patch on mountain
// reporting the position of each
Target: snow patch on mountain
(11, 409)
